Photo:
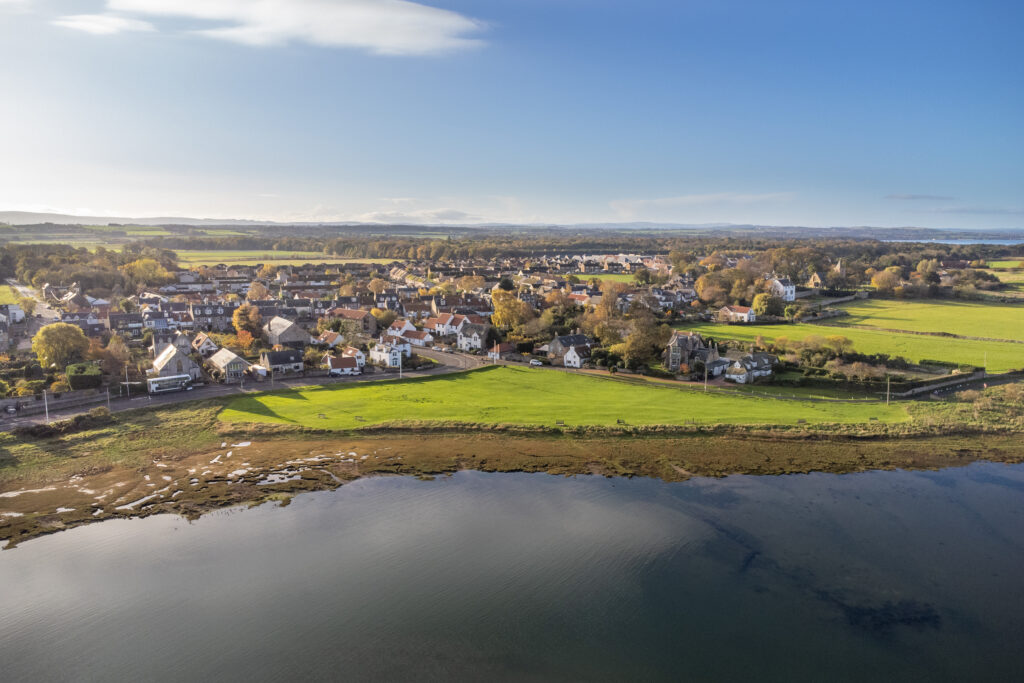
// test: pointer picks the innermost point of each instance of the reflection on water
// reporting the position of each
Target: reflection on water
(881, 576)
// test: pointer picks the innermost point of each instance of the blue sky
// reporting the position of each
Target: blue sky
(771, 112)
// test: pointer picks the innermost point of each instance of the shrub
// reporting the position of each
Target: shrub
(59, 387)
(83, 376)
(97, 417)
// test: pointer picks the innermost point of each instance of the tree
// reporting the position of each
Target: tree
(509, 311)
(468, 283)
(146, 272)
(885, 281)
(377, 285)
(642, 276)
(245, 340)
(257, 291)
(59, 344)
(27, 304)
(384, 317)
(766, 304)
(506, 284)
(247, 317)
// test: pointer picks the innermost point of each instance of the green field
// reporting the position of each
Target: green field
(506, 395)
(192, 257)
(8, 295)
(1002, 356)
(964, 318)
(1008, 275)
(610, 277)
(1012, 263)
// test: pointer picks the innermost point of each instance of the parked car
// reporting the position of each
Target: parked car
(535, 362)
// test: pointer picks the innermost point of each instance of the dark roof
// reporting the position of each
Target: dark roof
(281, 357)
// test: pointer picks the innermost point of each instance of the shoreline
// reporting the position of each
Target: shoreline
(251, 468)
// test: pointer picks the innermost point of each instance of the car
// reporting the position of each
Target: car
(535, 362)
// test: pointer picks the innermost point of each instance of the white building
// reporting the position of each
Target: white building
(783, 288)
(386, 355)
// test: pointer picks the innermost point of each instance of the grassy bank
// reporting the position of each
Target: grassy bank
(1002, 356)
(521, 396)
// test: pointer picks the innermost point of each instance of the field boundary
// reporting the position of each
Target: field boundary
(923, 334)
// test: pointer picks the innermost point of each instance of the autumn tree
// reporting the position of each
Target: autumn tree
(27, 304)
(384, 317)
(257, 292)
(885, 281)
(509, 312)
(247, 317)
(468, 283)
(377, 285)
(146, 272)
(245, 340)
(59, 344)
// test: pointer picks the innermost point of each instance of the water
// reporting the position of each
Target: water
(876, 576)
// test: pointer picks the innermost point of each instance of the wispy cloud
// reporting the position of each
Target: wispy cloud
(920, 197)
(628, 208)
(420, 216)
(102, 24)
(386, 27)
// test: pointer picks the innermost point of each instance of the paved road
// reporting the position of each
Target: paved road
(449, 362)
(46, 314)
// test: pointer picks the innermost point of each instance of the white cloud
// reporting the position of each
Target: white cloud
(390, 27)
(629, 208)
(102, 24)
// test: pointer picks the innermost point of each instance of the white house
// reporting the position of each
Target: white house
(400, 327)
(337, 366)
(471, 337)
(750, 367)
(400, 343)
(783, 288)
(576, 357)
(418, 338)
(353, 352)
(737, 314)
(386, 355)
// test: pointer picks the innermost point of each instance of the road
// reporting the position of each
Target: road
(448, 363)
(46, 314)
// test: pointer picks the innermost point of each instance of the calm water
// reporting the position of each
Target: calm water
(879, 576)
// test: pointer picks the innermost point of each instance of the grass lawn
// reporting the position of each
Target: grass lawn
(612, 277)
(1007, 275)
(8, 295)
(1002, 356)
(967, 318)
(192, 257)
(506, 395)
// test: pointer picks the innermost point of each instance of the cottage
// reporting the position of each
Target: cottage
(353, 352)
(330, 339)
(418, 337)
(737, 314)
(282, 362)
(386, 355)
(400, 327)
(203, 345)
(575, 357)
(173, 361)
(558, 346)
(471, 337)
(750, 367)
(283, 332)
(783, 288)
(501, 351)
(685, 348)
(227, 365)
(366, 321)
(337, 366)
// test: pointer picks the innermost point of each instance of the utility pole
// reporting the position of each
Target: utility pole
(126, 384)
(887, 379)
(400, 354)
(46, 407)
(705, 378)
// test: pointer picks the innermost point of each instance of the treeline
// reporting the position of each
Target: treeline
(100, 272)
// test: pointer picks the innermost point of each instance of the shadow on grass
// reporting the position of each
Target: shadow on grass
(255, 407)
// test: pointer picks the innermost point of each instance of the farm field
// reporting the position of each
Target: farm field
(1012, 263)
(191, 257)
(965, 318)
(1002, 356)
(506, 395)
(8, 295)
(1008, 275)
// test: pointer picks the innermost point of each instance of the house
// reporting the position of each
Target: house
(737, 314)
(366, 321)
(386, 355)
(815, 281)
(203, 345)
(471, 336)
(500, 351)
(399, 327)
(575, 357)
(558, 346)
(783, 288)
(288, 360)
(715, 368)
(283, 332)
(128, 325)
(330, 339)
(686, 348)
(353, 352)
(173, 361)
(400, 343)
(13, 313)
(418, 337)
(750, 367)
(227, 365)
(337, 366)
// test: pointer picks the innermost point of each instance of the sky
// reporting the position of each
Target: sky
(771, 112)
